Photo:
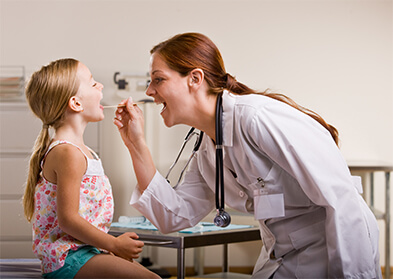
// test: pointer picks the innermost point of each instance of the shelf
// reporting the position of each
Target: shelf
(12, 83)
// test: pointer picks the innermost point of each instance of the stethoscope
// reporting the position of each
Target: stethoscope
(222, 218)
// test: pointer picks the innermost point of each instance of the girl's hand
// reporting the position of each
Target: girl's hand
(127, 246)
(129, 120)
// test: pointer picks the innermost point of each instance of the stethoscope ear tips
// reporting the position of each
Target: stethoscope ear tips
(222, 219)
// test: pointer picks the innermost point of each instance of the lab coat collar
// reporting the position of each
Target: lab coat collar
(228, 104)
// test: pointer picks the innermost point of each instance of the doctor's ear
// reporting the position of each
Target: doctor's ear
(196, 77)
(75, 104)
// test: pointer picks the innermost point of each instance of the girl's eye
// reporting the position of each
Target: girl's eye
(95, 84)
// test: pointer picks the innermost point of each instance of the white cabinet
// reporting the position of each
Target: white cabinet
(18, 131)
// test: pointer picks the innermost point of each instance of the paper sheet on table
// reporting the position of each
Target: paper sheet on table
(201, 227)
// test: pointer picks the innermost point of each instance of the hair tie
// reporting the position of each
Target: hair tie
(228, 81)
(45, 126)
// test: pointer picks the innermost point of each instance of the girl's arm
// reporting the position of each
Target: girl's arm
(69, 169)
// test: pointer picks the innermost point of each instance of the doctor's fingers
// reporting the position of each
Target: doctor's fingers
(121, 119)
(136, 119)
(134, 112)
(121, 105)
(130, 113)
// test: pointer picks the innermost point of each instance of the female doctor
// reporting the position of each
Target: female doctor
(281, 163)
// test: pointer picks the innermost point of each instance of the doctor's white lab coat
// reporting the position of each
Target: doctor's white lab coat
(283, 167)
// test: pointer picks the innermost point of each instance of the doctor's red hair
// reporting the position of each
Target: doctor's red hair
(188, 51)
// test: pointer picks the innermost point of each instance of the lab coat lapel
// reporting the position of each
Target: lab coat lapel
(228, 103)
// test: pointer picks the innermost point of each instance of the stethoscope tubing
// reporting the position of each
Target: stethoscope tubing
(195, 149)
(219, 156)
(223, 217)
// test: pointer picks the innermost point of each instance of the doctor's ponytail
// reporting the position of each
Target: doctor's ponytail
(234, 86)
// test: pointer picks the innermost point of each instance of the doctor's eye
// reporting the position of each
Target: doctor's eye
(158, 80)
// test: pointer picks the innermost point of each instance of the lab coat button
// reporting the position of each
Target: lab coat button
(261, 181)
(241, 193)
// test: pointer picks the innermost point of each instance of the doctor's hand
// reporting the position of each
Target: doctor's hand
(129, 120)
(127, 246)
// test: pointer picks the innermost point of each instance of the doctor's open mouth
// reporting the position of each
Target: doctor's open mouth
(163, 106)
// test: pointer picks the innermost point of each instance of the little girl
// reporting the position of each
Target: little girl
(68, 198)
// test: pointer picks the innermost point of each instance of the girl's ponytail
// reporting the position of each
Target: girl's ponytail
(40, 146)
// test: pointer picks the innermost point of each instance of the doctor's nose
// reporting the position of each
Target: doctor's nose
(150, 90)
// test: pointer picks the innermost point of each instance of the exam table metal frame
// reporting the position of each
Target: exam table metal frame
(181, 241)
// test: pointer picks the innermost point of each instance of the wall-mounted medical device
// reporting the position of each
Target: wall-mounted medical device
(131, 84)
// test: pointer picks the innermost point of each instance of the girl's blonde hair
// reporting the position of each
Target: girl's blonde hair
(185, 52)
(48, 93)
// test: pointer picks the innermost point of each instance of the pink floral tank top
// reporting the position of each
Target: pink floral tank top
(50, 243)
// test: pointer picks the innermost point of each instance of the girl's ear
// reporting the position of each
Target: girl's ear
(75, 105)
(196, 77)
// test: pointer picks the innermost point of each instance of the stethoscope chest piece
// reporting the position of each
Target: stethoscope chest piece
(222, 219)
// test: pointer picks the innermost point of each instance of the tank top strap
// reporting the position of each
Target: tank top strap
(57, 142)
(93, 153)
